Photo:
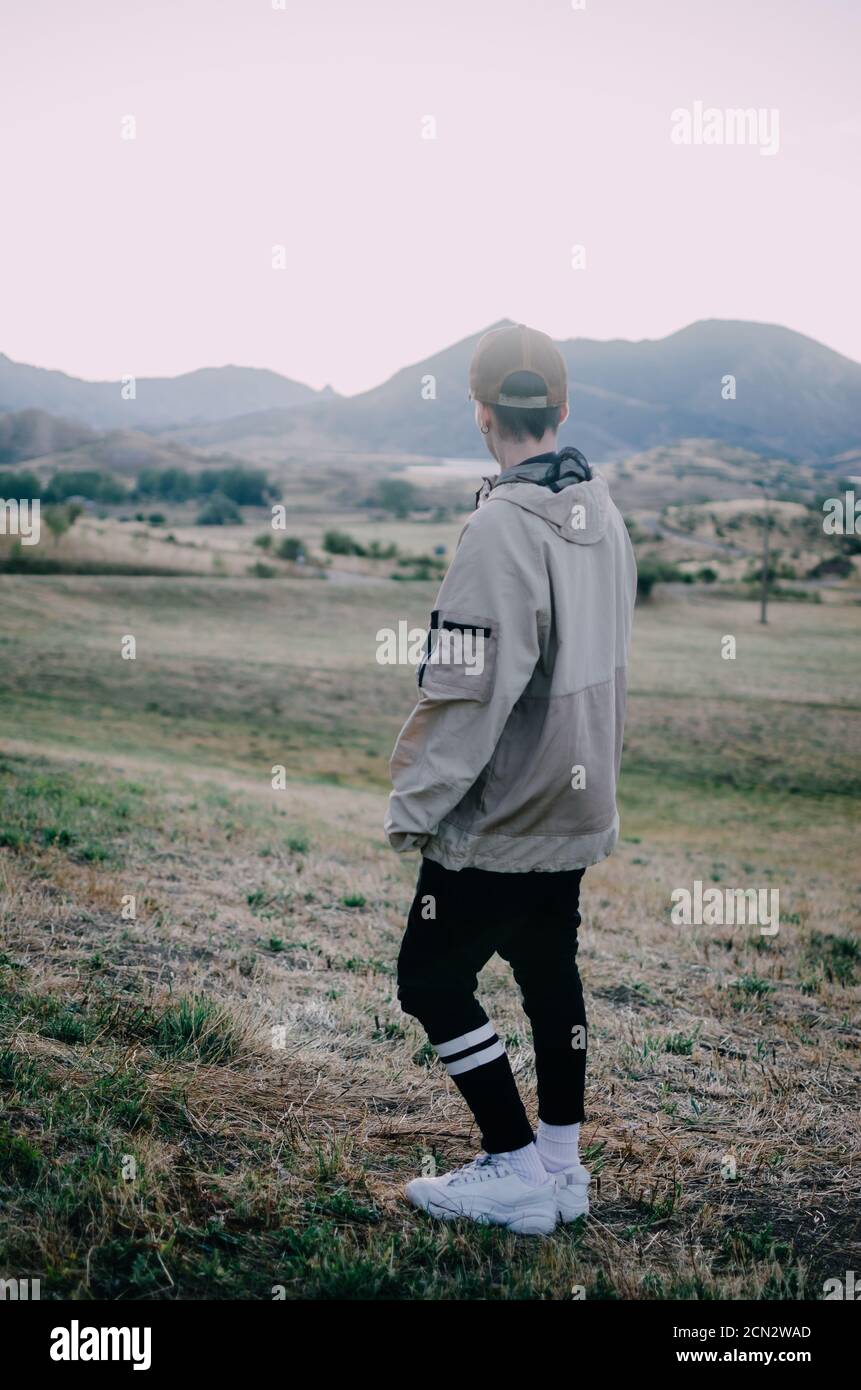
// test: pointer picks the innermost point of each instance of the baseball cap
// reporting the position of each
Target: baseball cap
(516, 348)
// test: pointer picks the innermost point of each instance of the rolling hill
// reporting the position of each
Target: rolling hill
(212, 393)
(44, 443)
(794, 397)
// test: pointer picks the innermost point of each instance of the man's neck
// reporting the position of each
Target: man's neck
(511, 452)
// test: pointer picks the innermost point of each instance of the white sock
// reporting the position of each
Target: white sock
(558, 1146)
(527, 1164)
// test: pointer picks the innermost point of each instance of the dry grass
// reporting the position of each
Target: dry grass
(259, 1164)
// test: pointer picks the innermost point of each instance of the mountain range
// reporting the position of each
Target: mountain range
(207, 395)
(794, 397)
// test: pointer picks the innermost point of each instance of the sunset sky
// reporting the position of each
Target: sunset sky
(302, 126)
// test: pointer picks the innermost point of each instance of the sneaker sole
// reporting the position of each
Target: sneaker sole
(523, 1223)
(537, 1221)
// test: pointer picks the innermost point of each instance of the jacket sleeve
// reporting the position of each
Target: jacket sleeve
(484, 644)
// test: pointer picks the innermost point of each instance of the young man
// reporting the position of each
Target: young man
(504, 778)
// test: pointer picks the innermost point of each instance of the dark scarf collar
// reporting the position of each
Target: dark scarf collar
(553, 470)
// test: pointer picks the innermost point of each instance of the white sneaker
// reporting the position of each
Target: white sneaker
(488, 1190)
(572, 1192)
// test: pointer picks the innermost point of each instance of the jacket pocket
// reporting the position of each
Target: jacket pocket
(460, 662)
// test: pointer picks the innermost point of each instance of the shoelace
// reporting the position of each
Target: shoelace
(478, 1169)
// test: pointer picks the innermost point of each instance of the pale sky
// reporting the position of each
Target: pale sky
(302, 126)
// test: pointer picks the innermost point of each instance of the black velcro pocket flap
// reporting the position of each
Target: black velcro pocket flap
(461, 657)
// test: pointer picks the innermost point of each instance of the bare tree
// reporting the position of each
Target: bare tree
(766, 533)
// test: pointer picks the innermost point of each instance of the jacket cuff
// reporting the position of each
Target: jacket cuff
(404, 843)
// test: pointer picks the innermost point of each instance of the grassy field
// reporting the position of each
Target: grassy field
(217, 1095)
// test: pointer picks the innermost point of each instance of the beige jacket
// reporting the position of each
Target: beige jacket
(510, 759)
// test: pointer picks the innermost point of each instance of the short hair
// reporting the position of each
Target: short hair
(517, 422)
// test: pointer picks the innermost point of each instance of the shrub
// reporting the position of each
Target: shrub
(376, 551)
(220, 511)
(291, 548)
(652, 572)
(421, 573)
(339, 543)
(433, 561)
(834, 567)
(646, 580)
(421, 567)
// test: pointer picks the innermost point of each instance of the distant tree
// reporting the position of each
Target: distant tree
(58, 519)
(167, 484)
(220, 511)
(247, 487)
(397, 496)
(767, 569)
(19, 485)
(95, 485)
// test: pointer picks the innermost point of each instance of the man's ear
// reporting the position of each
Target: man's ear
(564, 412)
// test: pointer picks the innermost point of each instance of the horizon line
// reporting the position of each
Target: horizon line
(328, 388)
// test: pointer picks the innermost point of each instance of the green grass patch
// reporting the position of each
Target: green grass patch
(836, 956)
(196, 1027)
(42, 807)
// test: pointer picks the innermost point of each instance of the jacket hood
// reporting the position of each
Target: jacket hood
(577, 512)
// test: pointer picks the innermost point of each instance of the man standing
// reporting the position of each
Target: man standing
(504, 777)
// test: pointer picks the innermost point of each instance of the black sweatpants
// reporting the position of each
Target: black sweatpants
(457, 921)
